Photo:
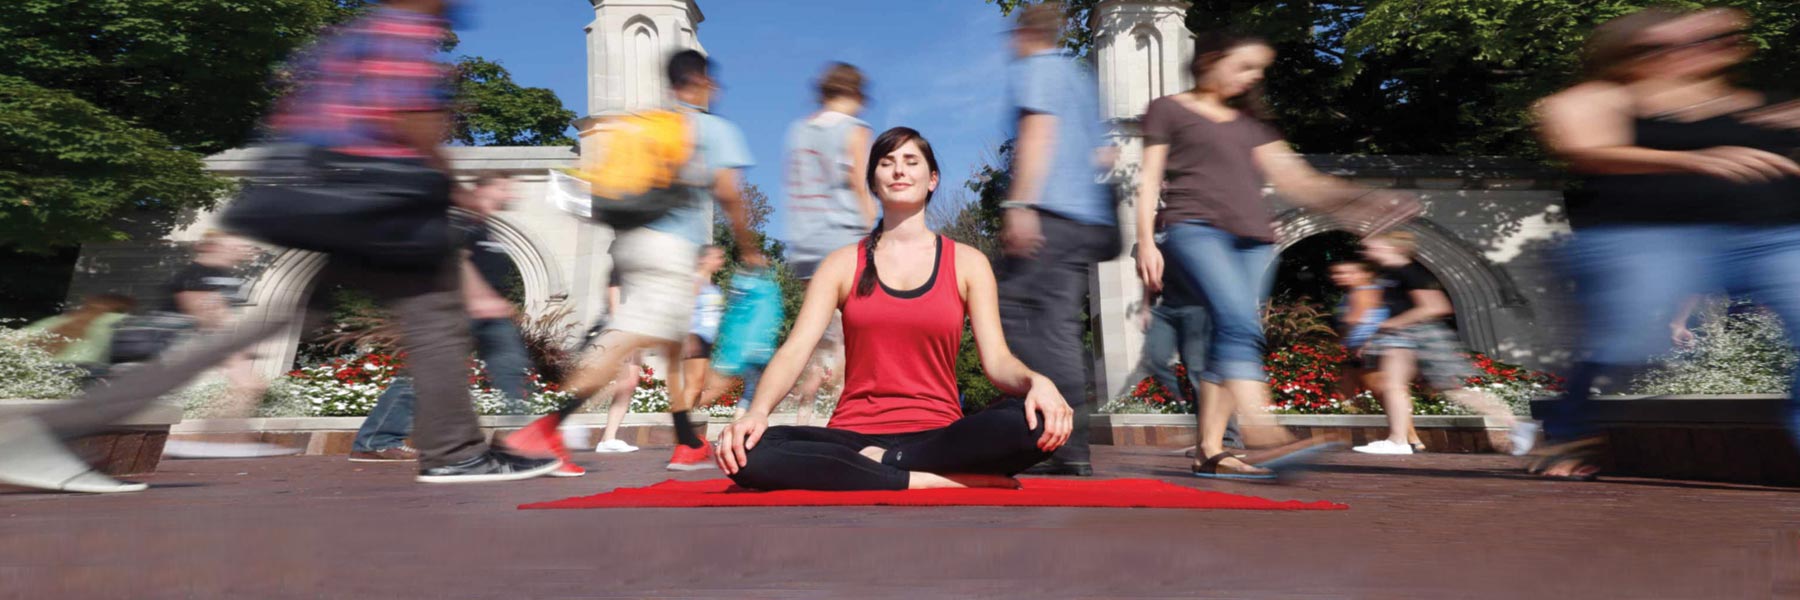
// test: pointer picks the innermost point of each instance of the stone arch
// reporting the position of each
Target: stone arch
(1477, 287)
(286, 286)
(543, 278)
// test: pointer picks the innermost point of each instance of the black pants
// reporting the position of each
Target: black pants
(991, 442)
(1041, 299)
(428, 306)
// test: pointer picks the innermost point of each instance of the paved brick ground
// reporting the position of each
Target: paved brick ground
(1431, 526)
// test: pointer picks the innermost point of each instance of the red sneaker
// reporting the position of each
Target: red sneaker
(688, 458)
(568, 468)
(540, 439)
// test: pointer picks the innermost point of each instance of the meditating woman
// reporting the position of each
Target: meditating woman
(904, 292)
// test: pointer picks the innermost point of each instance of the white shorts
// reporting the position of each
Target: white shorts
(656, 279)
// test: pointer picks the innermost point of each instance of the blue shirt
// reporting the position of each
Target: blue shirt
(718, 144)
(1054, 84)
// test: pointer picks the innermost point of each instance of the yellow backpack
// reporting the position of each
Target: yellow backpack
(636, 179)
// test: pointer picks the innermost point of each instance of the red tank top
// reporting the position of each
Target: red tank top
(900, 352)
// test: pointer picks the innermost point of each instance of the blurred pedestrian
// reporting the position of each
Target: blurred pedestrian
(1060, 221)
(1688, 187)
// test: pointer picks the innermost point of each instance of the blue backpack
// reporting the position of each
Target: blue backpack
(753, 316)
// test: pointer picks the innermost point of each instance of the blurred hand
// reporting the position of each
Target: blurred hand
(1380, 210)
(1743, 165)
(1682, 336)
(1022, 234)
(1150, 266)
(490, 308)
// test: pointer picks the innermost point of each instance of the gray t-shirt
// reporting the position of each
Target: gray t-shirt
(823, 213)
(1211, 174)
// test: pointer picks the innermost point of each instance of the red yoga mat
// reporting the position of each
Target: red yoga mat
(1107, 493)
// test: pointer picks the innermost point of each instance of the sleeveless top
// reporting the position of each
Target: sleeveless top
(900, 353)
(1355, 334)
(822, 211)
(1677, 198)
(709, 308)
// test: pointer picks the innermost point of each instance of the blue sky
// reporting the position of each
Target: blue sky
(933, 65)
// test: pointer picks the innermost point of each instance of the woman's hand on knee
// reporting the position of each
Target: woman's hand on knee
(737, 439)
(1046, 403)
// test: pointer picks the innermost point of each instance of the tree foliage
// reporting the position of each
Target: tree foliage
(109, 105)
(74, 171)
(1446, 77)
(493, 110)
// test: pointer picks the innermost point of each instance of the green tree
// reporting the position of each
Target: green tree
(492, 110)
(111, 104)
(1449, 77)
(74, 171)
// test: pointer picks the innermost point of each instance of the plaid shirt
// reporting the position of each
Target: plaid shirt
(354, 84)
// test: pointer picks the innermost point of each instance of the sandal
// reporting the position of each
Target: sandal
(1582, 455)
(1209, 469)
(1418, 447)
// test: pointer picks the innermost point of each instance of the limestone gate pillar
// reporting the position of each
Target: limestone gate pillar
(1141, 50)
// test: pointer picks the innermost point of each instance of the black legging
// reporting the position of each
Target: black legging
(991, 442)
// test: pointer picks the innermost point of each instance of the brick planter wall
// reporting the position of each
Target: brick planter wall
(133, 447)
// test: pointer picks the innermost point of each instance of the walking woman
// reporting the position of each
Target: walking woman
(904, 293)
(1207, 154)
(1688, 186)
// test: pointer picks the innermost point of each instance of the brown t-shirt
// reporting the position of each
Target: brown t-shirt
(1211, 173)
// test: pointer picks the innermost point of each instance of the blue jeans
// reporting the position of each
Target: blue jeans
(1232, 274)
(497, 342)
(1184, 330)
(1630, 281)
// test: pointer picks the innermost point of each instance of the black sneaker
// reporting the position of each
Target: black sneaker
(494, 465)
(1057, 467)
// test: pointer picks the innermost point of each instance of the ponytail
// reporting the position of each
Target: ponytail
(865, 285)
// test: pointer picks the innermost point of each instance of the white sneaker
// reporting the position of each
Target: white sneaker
(1523, 437)
(193, 449)
(1384, 447)
(615, 446)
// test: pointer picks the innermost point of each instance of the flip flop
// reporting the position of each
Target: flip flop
(1209, 469)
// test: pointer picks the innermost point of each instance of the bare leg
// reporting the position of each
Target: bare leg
(678, 398)
(1216, 408)
(1397, 368)
(620, 394)
(244, 388)
(693, 382)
